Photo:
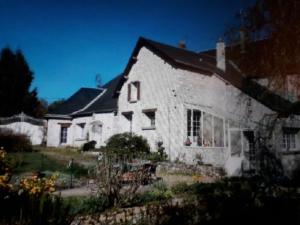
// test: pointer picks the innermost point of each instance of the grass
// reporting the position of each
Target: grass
(27, 162)
(34, 161)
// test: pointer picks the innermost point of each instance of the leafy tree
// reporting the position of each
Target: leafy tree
(264, 42)
(15, 82)
(275, 27)
(55, 104)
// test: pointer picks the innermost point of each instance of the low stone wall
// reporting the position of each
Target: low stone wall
(124, 216)
(182, 168)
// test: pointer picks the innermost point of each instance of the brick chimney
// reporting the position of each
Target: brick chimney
(182, 44)
(220, 55)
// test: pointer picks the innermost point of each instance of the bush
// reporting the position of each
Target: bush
(159, 192)
(26, 209)
(87, 205)
(13, 142)
(180, 188)
(30, 201)
(89, 146)
(77, 170)
(156, 157)
(245, 201)
(128, 143)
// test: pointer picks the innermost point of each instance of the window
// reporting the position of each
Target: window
(80, 128)
(218, 132)
(236, 143)
(288, 140)
(150, 118)
(204, 129)
(128, 115)
(207, 130)
(63, 134)
(134, 91)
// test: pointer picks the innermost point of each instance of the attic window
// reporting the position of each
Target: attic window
(134, 91)
(150, 119)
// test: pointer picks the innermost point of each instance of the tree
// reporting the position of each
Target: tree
(265, 43)
(54, 105)
(266, 40)
(15, 81)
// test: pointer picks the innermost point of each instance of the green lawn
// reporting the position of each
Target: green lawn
(27, 162)
(34, 161)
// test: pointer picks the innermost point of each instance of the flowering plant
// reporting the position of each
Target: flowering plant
(35, 185)
(5, 174)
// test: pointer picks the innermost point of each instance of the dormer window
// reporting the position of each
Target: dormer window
(134, 91)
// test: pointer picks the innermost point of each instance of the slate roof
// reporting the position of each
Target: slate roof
(205, 63)
(108, 101)
(77, 101)
(87, 101)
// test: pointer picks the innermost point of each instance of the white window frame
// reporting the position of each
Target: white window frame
(134, 92)
(63, 137)
(286, 141)
(194, 143)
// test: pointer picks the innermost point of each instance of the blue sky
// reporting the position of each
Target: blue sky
(68, 42)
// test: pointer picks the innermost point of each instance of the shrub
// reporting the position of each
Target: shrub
(87, 205)
(180, 188)
(159, 192)
(156, 157)
(24, 209)
(29, 202)
(13, 142)
(127, 142)
(77, 170)
(89, 146)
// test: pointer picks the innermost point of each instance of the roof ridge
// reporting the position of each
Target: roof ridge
(172, 46)
(91, 102)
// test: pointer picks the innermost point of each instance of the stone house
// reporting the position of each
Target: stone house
(199, 105)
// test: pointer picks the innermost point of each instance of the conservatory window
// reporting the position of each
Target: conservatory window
(218, 132)
(207, 130)
(204, 129)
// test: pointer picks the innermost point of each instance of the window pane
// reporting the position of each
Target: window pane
(236, 143)
(207, 129)
(152, 119)
(293, 141)
(63, 135)
(197, 127)
(189, 119)
(218, 132)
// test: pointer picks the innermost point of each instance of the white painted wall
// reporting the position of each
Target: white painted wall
(172, 91)
(76, 137)
(34, 132)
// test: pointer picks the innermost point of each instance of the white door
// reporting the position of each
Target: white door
(238, 145)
